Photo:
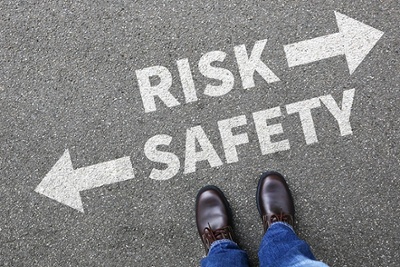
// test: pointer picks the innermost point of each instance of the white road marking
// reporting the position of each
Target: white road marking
(205, 151)
(63, 183)
(248, 65)
(354, 40)
(151, 152)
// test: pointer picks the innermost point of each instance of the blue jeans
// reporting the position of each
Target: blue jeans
(280, 247)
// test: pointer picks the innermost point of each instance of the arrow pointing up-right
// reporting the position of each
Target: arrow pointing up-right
(354, 40)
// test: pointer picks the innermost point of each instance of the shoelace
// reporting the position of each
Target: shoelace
(211, 235)
(280, 217)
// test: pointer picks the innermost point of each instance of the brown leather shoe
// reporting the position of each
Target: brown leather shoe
(213, 216)
(274, 200)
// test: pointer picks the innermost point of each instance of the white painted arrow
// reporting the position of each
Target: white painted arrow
(63, 183)
(354, 40)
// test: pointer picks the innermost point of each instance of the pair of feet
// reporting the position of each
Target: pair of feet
(214, 217)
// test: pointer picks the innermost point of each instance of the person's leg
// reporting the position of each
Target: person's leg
(280, 246)
(225, 253)
(214, 224)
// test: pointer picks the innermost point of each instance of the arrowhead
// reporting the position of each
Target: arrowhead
(59, 183)
(358, 39)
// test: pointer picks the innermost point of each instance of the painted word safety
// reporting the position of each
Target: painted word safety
(263, 128)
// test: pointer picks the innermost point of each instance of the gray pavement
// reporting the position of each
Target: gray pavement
(68, 81)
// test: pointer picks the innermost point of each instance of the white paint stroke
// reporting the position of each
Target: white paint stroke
(63, 184)
(354, 40)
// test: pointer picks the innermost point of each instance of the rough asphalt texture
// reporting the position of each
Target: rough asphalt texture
(67, 77)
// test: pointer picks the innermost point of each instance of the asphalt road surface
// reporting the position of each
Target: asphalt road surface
(113, 114)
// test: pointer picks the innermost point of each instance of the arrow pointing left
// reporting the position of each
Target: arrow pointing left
(63, 184)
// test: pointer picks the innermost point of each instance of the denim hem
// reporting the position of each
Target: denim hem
(282, 223)
(217, 242)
